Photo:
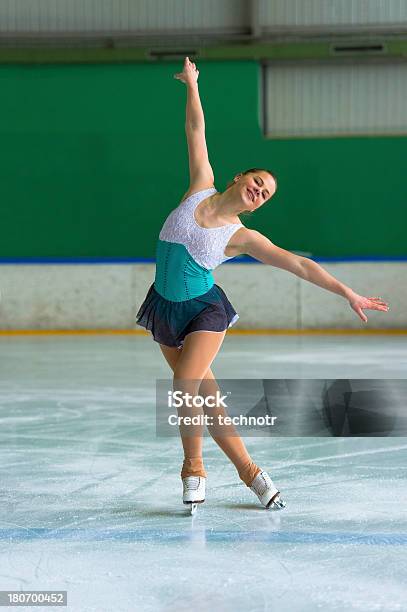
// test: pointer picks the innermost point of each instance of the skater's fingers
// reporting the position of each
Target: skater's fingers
(379, 307)
(362, 315)
(375, 305)
(382, 304)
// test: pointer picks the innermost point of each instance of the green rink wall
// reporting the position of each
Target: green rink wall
(93, 157)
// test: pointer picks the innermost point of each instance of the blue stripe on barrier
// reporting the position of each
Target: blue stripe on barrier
(135, 260)
(75, 260)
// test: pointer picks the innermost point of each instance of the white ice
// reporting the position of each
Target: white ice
(91, 498)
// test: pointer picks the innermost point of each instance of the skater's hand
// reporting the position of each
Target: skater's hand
(190, 73)
(359, 303)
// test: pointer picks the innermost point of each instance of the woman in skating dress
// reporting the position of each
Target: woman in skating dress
(188, 314)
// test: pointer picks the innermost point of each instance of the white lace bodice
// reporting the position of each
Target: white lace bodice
(205, 245)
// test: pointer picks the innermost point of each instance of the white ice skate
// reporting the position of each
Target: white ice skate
(267, 492)
(194, 492)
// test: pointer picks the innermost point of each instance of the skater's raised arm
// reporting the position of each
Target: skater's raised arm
(261, 248)
(200, 170)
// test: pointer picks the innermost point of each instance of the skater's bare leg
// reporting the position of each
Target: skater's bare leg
(229, 440)
(226, 436)
(189, 365)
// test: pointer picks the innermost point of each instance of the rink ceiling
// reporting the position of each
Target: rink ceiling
(162, 16)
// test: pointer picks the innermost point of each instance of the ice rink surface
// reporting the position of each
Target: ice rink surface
(91, 498)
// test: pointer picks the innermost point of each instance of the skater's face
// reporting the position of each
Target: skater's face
(255, 189)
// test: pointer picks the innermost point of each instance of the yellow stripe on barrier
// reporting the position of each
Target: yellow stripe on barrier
(237, 332)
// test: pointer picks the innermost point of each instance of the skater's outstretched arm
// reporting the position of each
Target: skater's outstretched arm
(256, 245)
(200, 170)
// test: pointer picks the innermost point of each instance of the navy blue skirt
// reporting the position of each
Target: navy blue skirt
(169, 322)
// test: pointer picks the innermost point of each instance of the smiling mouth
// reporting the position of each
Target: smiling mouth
(251, 195)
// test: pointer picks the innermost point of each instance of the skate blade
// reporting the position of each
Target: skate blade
(277, 504)
(193, 506)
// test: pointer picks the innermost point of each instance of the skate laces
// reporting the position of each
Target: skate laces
(261, 483)
(191, 483)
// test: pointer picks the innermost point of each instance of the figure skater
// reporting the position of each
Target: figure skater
(188, 314)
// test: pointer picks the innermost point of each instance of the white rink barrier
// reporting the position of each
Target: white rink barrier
(107, 296)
